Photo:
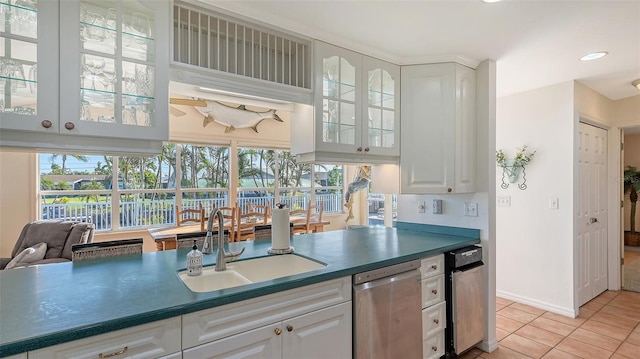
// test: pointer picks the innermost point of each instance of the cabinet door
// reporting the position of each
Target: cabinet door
(264, 342)
(465, 137)
(114, 68)
(151, 340)
(338, 86)
(427, 146)
(29, 63)
(380, 123)
(325, 333)
(432, 290)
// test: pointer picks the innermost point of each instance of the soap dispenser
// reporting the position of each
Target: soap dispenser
(194, 261)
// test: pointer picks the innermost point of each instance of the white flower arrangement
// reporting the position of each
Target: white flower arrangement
(520, 160)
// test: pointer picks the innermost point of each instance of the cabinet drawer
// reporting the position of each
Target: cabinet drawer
(434, 319)
(220, 322)
(150, 340)
(433, 347)
(432, 266)
(432, 290)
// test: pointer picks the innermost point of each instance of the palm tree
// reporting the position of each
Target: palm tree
(632, 186)
(64, 160)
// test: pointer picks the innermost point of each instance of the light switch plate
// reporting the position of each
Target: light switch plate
(553, 203)
(503, 201)
(422, 207)
(436, 206)
(471, 209)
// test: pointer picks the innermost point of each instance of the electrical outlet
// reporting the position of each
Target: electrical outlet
(503, 201)
(422, 207)
(471, 209)
(553, 203)
(436, 206)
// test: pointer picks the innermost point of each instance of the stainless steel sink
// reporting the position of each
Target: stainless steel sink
(249, 271)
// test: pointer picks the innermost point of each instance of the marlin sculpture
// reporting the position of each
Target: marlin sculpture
(234, 117)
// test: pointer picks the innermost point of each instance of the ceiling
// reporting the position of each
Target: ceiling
(534, 43)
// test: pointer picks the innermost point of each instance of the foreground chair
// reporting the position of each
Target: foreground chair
(59, 236)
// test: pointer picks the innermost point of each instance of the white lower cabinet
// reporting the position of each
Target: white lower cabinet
(308, 322)
(434, 311)
(321, 334)
(159, 339)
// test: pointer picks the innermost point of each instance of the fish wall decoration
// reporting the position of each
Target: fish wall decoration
(234, 117)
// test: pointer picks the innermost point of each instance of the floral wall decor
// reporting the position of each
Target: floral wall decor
(511, 167)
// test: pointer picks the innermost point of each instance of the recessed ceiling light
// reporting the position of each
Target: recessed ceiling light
(594, 56)
(636, 84)
(491, 1)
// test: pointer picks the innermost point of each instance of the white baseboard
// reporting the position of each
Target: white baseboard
(488, 346)
(567, 312)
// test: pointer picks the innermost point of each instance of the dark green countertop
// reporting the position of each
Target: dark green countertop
(50, 304)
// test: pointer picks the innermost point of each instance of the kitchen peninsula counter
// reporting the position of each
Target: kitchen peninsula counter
(50, 304)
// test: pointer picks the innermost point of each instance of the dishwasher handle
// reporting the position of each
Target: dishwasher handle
(385, 272)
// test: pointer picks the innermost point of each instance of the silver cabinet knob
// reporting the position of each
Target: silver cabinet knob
(46, 123)
(69, 126)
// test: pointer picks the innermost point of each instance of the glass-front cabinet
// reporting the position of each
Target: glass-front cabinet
(116, 84)
(89, 68)
(28, 70)
(357, 98)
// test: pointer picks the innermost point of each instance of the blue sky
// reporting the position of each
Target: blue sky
(72, 164)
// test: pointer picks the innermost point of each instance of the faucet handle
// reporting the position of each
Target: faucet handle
(232, 256)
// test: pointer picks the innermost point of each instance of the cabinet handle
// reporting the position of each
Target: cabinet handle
(435, 292)
(434, 348)
(366, 149)
(289, 327)
(278, 331)
(449, 190)
(436, 321)
(113, 354)
(69, 126)
(434, 267)
(46, 123)
(359, 149)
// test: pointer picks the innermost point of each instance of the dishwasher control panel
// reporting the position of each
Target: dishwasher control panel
(465, 256)
(385, 272)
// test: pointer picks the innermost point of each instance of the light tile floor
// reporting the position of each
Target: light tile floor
(608, 327)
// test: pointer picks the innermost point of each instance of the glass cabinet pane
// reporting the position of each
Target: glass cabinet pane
(339, 94)
(381, 105)
(20, 17)
(18, 56)
(117, 59)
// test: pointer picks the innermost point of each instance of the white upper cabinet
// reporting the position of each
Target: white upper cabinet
(356, 107)
(439, 141)
(101, 84)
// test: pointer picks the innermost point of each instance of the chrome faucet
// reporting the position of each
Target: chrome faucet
(207, 248)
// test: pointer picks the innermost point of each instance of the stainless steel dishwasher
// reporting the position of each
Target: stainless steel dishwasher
(388, 312)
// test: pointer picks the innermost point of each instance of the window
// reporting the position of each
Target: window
(131, 192)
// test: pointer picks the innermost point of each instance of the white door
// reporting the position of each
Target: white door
(592, 212)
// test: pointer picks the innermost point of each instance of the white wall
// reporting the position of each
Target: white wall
(631, 158)
(534, 243)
